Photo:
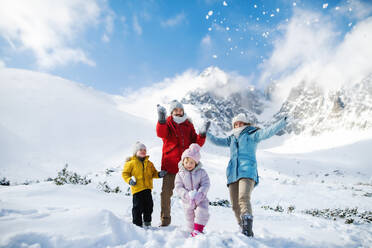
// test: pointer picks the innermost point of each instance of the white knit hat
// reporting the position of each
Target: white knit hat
(241, 117)
(138, 146)
(175, 104)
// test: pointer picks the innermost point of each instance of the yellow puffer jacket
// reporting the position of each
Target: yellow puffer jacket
(143, 172)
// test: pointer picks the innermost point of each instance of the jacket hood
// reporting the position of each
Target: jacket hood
(134, 157)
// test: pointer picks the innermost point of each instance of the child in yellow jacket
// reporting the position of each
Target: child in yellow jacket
(138, 173)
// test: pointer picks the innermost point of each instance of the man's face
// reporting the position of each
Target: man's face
(177, 112)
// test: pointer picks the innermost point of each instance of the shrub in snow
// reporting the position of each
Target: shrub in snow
(222, 203)
(69, 177)
(351, 215)
(106, 188)
(128, 192)
(109, 171)
(4, 182)
(278, 208)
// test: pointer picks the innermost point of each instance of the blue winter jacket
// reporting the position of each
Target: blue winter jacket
(243, 162)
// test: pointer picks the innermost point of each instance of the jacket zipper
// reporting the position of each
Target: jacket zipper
(192, 185)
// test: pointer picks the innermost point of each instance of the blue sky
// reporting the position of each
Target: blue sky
(115, 45)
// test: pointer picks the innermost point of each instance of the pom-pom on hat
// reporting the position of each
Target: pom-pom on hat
(192, 152)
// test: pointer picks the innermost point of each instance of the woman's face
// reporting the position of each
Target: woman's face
(239, 124)
(189, 164)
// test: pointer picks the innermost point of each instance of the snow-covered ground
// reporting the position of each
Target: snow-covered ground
(293, 179)
(47, 215)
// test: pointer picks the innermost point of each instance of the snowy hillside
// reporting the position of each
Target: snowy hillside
(47, 122)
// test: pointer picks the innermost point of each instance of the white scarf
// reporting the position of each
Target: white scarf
(180, 120)
(237, 131)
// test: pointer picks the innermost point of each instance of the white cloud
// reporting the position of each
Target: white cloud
(109, 26)
(136, 26)
(50, 29)
(356, 9)
(310, 51)
(174, 21)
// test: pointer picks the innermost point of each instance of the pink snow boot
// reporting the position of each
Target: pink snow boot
(197, 229)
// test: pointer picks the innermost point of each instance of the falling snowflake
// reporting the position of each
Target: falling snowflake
(255, 6)
(209, 29)
(229, 39)
(272, 15)
(325, 5)
(210, 12)
(215, 56)
(294, 3)
(227, 28)
(277, 10)
(265, 34)
(224, 3)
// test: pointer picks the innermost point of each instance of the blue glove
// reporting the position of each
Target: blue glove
(162, 173)
(132, 183)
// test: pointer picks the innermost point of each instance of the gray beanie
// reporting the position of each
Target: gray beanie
(175, 104)
(138, 146)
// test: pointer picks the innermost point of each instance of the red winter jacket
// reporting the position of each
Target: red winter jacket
(176, 139)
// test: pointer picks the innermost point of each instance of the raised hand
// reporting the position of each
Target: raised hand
(205, 128)
(162, 112)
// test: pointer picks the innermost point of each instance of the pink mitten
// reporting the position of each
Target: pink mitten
(199, 196)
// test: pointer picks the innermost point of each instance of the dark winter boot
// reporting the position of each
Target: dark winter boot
(247, 225)
(147, 225)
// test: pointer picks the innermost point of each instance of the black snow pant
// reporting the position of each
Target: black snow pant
(142, 205)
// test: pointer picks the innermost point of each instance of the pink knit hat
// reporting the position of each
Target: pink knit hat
(193, 152)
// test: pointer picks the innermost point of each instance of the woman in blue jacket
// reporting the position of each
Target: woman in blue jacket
(241, 172)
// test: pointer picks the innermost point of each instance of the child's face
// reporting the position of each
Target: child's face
(189, 164)
(239, 124)
(177, 112)
(141, 153)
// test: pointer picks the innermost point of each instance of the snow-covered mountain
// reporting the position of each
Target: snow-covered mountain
(316, 111)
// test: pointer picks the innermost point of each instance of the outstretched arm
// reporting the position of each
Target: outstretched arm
(219, 141)
(269, 131)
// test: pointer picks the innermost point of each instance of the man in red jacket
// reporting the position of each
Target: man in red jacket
(177, 133)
